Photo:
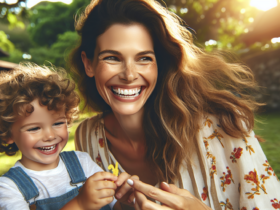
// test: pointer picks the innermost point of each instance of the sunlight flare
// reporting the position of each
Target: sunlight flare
(263, 5)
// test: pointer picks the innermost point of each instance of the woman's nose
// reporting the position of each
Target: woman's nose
(49, 135)
(129, 73)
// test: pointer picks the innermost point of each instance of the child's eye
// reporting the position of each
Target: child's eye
(111, 58)
(34, 129)
(58, 123)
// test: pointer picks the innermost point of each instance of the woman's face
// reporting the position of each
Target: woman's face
(124, 67)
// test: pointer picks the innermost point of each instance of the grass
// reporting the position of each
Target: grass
(269, 129)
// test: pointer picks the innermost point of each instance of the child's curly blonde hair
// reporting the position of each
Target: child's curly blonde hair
(27, 82)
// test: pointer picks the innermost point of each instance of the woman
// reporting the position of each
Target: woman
(169, 112)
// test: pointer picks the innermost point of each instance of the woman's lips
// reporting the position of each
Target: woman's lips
(127, 94)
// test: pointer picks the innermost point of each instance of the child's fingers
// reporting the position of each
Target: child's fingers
(99, 185)
(104, 193)
(103, 202)
(103, 176)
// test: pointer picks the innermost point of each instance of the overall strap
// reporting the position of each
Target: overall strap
(73, 167)
(23, 182)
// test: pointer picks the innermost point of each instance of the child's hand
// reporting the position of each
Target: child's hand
(97, 191)
(124, 192)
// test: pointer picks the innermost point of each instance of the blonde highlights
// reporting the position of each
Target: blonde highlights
(191, 82)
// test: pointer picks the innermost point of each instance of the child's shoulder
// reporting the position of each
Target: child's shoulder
(88, 165)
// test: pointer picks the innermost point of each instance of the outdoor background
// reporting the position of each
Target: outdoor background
(44, 33)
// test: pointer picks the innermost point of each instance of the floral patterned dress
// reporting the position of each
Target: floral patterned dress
(227, 174)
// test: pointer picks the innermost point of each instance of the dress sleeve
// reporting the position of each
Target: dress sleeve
(80, 136)
(239, 173)
(10, 196)
(259, 185)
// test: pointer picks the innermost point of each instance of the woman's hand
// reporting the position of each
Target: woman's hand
(124, 192)
(170, 196)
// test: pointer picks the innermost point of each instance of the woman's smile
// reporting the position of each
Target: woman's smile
(124, 67)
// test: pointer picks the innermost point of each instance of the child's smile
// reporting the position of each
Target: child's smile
(40, 137)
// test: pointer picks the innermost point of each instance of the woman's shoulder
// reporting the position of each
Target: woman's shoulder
(89, 123)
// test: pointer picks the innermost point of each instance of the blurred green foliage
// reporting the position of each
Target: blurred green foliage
(49, 27)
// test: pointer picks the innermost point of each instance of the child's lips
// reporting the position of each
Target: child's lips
(48, 150)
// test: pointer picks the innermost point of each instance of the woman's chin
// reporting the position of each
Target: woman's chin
(127, 110)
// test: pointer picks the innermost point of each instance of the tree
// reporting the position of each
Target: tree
(49, 19)
(222, 20)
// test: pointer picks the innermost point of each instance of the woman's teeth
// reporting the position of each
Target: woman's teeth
(51, 148)
(126, 93)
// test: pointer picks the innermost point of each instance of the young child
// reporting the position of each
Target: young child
(36, 107)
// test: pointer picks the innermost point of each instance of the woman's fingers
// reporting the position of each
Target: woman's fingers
(169, 199)
(175, 190)
(142, 203)
(125, 192)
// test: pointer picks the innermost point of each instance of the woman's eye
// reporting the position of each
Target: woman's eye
(58, 123)
(146, 59)
(111, 58)
(33, 129)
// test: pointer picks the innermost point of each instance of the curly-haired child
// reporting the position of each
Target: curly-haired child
(36, 107)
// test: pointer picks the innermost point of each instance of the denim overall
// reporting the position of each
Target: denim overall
(29, 189)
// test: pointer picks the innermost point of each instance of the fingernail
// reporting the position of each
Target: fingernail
(130, 182)
(133, 201)
(166, 184)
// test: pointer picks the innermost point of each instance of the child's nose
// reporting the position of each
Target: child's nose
(49, 135)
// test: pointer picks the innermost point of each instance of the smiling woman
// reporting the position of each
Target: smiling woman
(124, 66)
(186, 129)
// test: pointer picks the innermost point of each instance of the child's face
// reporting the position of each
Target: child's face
(40, 137)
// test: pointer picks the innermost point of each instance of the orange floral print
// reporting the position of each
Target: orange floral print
(213, 169)
(236, 154)
(256, 208)
(218, 135)
(204, 195)
(226, 179)
(275, 204)
(208, 122)
(226, 205)
(248, 147)
(253, 178)
(101, 142)
(268, 169)
(243, 208)
(98, 160)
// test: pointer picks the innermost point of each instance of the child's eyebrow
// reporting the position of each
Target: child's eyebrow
(29, 124)
(61, 118)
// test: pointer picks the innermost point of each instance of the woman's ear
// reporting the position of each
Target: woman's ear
(87, 64)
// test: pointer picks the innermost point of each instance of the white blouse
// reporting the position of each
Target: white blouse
(227, 174)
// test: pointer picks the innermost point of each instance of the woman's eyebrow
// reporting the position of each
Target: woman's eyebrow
(109, 51)
(146, 52)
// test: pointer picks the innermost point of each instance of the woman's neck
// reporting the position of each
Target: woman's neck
(126, 127)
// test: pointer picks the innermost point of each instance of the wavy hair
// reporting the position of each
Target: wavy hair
(25, 83)
(191, 82)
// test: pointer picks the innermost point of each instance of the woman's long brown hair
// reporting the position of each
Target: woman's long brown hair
(191, 82)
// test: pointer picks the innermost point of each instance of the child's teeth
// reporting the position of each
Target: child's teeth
(48, 148)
